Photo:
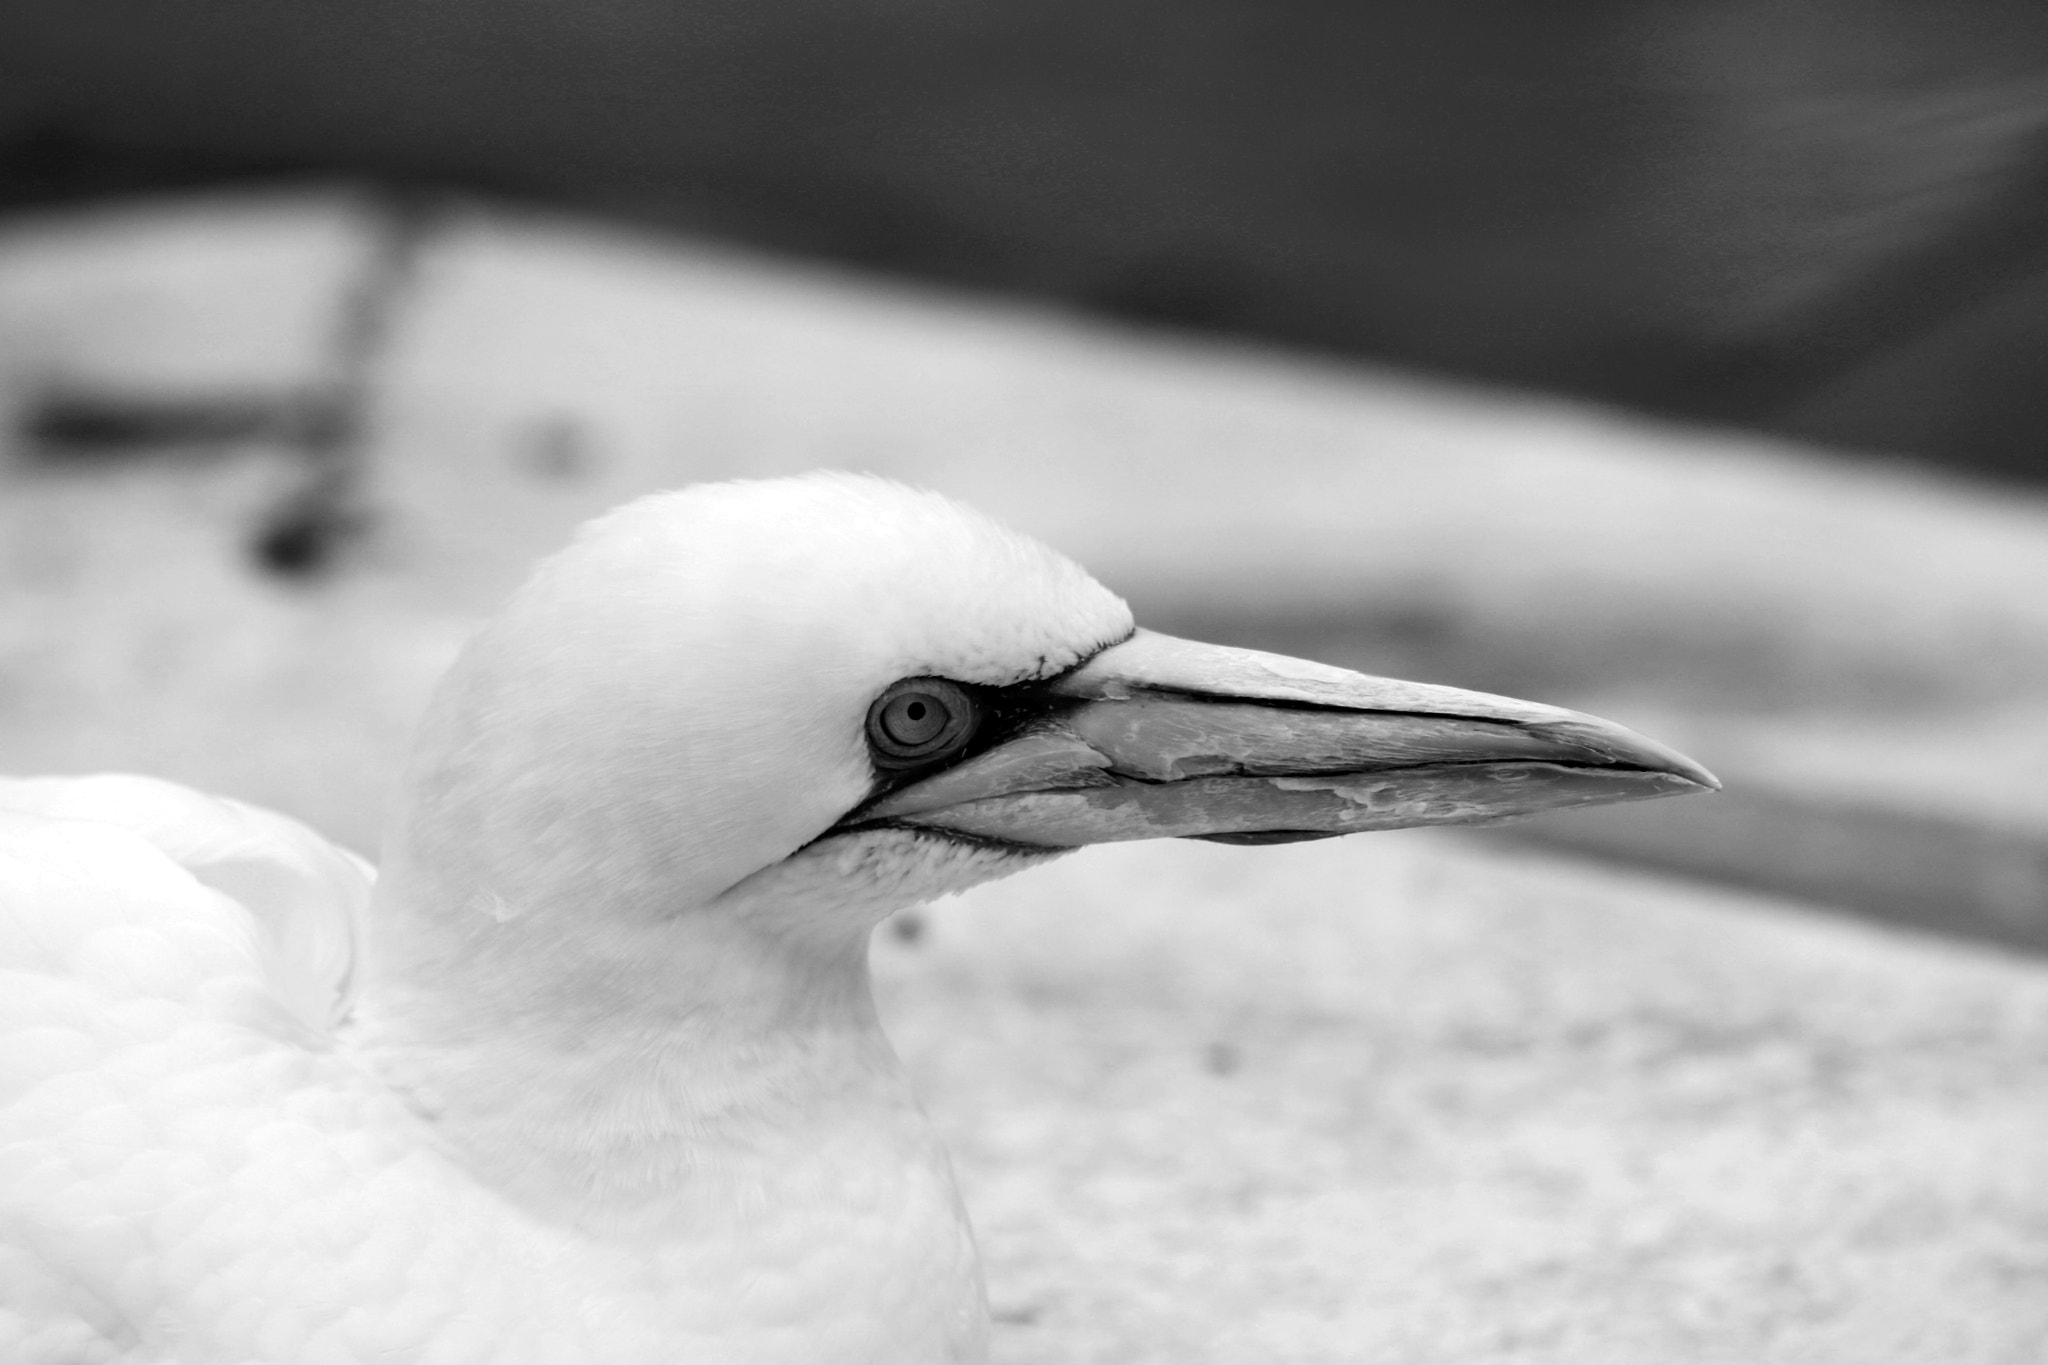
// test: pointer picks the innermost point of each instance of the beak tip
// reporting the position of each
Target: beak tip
(1612, 743)
(1687, 783)
(1687, 774)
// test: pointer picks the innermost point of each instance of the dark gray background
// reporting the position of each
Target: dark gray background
(1821, 217)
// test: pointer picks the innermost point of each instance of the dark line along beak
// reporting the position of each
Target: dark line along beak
(1159, 738)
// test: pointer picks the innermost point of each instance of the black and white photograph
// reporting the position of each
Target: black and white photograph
(939, 682)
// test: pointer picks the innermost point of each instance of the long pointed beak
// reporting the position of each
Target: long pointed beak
(1159, 737)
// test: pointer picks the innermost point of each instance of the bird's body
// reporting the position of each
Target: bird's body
(593, 1072)
(187, 1172)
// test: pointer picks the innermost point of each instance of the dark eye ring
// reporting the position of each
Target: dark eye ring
(919, 720)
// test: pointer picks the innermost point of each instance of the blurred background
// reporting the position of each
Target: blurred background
(1689, 358)
(1822, 218)
(1685, 361)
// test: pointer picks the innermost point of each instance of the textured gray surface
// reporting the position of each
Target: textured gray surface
(1425, 1098)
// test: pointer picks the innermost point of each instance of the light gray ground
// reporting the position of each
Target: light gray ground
(1417, 1098)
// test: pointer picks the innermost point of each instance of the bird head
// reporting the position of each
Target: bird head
(812, 701)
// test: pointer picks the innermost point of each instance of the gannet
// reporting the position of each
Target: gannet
(591, 1072)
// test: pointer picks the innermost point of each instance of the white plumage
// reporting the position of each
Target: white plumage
(594, 1073)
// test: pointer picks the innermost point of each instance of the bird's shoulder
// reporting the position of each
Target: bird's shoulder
(132, 889)
(174, 1122)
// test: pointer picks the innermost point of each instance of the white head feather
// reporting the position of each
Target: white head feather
(676, 700)
(670, 709)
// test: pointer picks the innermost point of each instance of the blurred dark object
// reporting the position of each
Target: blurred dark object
(1825, 218)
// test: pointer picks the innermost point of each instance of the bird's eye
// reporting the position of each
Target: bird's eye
(919, 720)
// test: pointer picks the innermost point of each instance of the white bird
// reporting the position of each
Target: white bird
(593, 1073)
